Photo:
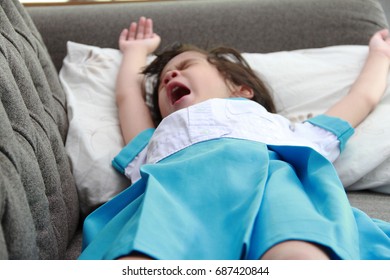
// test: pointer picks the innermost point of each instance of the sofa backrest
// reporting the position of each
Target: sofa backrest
(39, 209)
(248, 25)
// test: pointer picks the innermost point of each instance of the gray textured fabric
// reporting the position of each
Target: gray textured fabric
(39, 64)
(250, 25)
(39, 199)
(374, 204)
(386, 7)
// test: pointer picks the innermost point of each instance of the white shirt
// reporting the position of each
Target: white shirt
(230, 118)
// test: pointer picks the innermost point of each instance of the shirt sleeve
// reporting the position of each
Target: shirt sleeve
(133, 155)
(328, 134)
(340, 128)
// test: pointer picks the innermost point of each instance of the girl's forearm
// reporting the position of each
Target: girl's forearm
(366, 92)
(134, 115)
(129, 79)
(372, 80)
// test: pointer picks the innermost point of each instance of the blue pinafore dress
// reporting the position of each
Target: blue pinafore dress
(225, 179)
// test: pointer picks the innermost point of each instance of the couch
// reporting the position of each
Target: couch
(39, 199)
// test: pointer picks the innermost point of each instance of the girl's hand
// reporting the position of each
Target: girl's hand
(380, 43)
(139, 36)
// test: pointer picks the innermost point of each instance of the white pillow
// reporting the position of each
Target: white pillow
(304, 83)
(94, 137)
(307, 82)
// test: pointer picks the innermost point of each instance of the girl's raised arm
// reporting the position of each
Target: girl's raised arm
(368, 89)
(135, 43)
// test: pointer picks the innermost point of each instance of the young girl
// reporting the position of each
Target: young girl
(222, 176)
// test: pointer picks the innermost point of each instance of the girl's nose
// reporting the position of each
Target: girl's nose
(170, 75)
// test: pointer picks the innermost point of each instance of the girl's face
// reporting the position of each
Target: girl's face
(188, 79)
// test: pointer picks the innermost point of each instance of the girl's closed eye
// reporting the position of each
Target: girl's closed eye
(181, 66)
(186, 64)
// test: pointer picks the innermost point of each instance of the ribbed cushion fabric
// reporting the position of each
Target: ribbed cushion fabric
(39, 203)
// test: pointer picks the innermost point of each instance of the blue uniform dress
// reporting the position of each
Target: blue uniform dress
(225, 179)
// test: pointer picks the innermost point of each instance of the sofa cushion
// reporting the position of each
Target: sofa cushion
(39, 201)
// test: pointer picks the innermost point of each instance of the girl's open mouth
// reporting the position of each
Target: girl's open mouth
(177, 92)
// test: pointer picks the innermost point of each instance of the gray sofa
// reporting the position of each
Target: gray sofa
(39, 208)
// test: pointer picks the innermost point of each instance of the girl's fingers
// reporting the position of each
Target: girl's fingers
(384, 33)
(123, 35)
(138, 31)
(132, 31)
(141, 28)
(149, 28)
(386, 36)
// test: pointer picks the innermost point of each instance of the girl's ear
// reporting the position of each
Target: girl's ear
(244, 91)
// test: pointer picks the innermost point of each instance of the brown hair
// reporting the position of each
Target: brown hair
(229, 63)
